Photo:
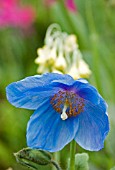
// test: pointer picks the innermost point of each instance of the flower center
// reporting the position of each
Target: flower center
(67, 103)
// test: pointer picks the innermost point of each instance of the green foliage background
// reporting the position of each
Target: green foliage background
(94, 25)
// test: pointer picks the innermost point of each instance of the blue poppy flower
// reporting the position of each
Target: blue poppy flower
(65, 109)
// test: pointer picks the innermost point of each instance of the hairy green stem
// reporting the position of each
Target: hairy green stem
(56, 165)
(72, 155)
(56, 158)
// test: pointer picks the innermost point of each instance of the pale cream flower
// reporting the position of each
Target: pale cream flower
(60, 62)
(74, 71)
(70, 43)
(43, 54)
(83, 68)
(79, 69)
(52, 55)
(61, 54)
(42, 69)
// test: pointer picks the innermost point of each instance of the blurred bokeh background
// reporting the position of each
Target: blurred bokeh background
(23, 25)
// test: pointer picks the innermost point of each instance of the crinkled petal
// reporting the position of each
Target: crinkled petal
(47, 131)
(61, 78)
(90, 93)
(103, 105)
(93, 127)
(87, 91)
(31, 91)
(82, 80)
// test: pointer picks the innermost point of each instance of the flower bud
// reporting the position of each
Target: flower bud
(32, 158)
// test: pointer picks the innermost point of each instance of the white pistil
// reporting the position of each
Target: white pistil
(64, 116)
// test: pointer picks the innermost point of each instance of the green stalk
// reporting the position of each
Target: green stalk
(56, 158)
(56, 165)
(94, 38)
(67, 17)
(74, 21)
(72, 155)
(65, 14)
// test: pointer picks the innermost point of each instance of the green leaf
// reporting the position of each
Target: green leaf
(81, 161)
(113, 168)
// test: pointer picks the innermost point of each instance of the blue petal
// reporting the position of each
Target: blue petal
(47, 131)
(87, 91)
(103, 105)
(61, 78)
(93, 127)
(31, 91)
(82, 80)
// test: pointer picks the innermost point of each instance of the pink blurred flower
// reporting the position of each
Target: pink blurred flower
(70, 4)
(13, 14)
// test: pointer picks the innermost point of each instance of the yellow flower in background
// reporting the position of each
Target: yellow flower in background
(60, 54)
(70, 43)
(60, 63)
(80, 71)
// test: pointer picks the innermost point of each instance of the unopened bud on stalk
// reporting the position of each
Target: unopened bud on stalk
(32, 158)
